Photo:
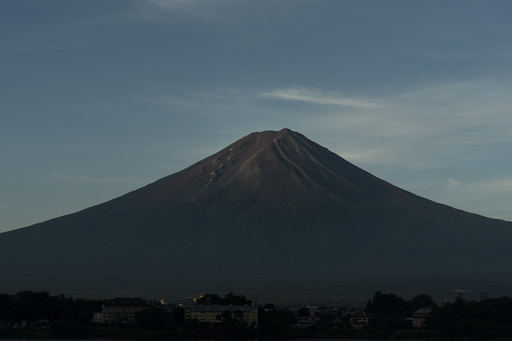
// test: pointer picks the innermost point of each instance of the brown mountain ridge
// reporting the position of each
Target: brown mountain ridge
(273, 213)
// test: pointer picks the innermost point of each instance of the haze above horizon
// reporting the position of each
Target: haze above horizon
(101, 98)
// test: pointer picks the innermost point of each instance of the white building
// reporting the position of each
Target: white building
(119, 310)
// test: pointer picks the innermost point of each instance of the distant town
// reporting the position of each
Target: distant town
(30, 314)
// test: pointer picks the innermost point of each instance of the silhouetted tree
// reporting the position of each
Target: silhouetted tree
(421, 301)
(489, 318)
(387, 305)
(389, 312)
(228, 299)
(154, 317)
(275, 322)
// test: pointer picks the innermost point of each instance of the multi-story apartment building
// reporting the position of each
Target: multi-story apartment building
(119, 310)
(213, 313)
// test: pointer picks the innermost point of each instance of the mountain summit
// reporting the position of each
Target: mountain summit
(273, 213)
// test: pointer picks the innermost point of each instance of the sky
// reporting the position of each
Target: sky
(99, 98)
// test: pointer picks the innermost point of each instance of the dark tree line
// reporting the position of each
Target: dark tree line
(37, 306)
(460, 319)
(488, 318)
(275, 322)
(156, 317)
(389, 312)
(228, 299)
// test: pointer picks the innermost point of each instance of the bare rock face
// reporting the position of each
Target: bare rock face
(273, 213)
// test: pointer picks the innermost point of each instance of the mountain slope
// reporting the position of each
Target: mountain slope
(270, 208)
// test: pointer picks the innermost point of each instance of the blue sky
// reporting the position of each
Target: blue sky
(99, 98)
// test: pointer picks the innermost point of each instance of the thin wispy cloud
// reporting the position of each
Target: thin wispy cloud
(201, 9)
(496, 190)
(173, 5)
(317, 96)
(438, 121)
(86, 179)
(501, 185)
(447, 108)
(166, 100)
(41, 47)
(450, 183)
(431, 127)
(206, 95)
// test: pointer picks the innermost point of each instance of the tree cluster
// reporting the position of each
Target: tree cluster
(487, 319)
(389, 312)
(157, 317)
(228, 299)
(41, 306)
(55, 315)
(275, 322)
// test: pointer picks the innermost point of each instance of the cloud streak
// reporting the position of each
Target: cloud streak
(85, 179)
(317, 96)
(492, 199)
(439, 122)
(433, 128)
